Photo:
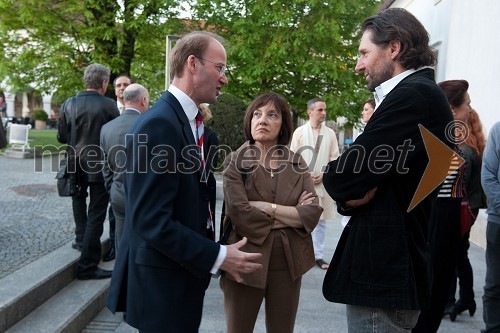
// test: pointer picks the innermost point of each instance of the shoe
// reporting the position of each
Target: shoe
(98, 274)
(110, 255)
(322, 264)
(461, 307)
(77, 246)
(449, 308)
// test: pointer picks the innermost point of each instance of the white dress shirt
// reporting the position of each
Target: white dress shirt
(386, 87)
(120, 106)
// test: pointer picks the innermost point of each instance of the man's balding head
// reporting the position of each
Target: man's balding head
(137, 97)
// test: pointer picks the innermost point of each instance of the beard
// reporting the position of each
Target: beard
(377, 77)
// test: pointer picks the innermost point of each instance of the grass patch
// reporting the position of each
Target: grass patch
(43, 138)
(46, 140)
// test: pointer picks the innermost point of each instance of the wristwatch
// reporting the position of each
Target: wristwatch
(273, 206)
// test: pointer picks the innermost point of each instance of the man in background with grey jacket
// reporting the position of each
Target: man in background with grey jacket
(113, 136)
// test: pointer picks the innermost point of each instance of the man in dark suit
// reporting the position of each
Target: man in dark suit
(136, 101)
(167, 254)
(88, 111)
(380, 268)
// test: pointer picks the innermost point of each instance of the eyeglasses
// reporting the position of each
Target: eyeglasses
(220, 68)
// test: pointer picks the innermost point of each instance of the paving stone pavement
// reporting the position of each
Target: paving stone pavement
(34, 220)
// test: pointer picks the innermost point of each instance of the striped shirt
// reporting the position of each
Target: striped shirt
(453, 184)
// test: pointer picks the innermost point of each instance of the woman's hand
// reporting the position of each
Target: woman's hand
(284, 216)
(306, 198)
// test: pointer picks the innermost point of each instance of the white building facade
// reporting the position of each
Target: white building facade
(465, 35)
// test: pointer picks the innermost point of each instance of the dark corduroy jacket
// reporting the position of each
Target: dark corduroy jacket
(382, 258)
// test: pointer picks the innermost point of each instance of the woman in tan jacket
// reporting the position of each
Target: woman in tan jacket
(270, 199)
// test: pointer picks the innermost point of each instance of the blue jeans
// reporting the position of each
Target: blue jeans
(491, 297)
(362, 319)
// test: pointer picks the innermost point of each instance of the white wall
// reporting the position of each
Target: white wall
(475, 49)
(468, 43)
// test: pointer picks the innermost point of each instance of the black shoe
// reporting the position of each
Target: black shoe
(77, 246)
(110, 255)
(461, 307)
(448, 310)
(98, 274)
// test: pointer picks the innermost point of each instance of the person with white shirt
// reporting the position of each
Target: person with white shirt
(167, 252)
(318, 145)
(120, 83)
(380, 268)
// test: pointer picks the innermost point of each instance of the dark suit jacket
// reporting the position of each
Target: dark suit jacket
(382, 259)
(113, 146)
(162, 272)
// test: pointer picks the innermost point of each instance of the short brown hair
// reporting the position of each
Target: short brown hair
(195, 43)
(281, 105)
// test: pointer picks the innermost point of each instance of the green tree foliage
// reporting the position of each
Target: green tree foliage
(227, 121)
(299, 48)
(47, 44)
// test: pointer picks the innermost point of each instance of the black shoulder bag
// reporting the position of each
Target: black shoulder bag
(66, 181)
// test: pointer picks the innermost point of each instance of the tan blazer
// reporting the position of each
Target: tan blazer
(292, 179)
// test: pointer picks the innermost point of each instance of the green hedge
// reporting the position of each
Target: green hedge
(40, 114)
(227, 121)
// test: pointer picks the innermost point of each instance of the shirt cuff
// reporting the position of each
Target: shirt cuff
(220, 259)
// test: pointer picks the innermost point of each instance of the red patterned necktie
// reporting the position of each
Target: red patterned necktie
(200, 137)
(199, 134)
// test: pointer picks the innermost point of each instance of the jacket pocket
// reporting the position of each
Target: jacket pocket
(380, 255)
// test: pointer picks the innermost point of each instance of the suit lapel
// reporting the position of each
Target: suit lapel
(261, 187)
(287, 179)
(186, 130)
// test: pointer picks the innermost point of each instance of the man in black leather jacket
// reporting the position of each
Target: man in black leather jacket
(88, 111)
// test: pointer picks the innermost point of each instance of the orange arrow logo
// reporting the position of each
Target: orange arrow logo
(442, 161)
